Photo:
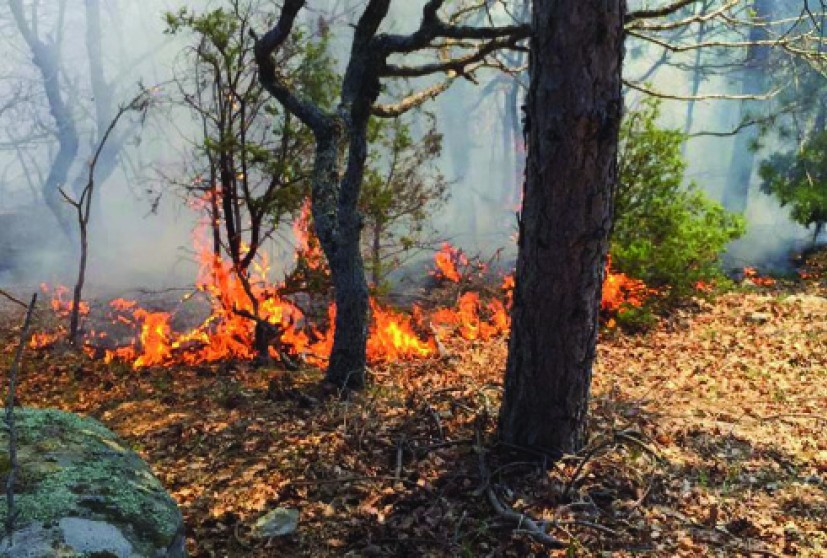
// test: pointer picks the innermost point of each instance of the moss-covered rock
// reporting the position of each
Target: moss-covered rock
(81, 492)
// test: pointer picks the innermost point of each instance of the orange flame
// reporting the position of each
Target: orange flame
(620, 290)
(307, 245)
(59, 305)
(751, 275)
(45, 339)
(237, 301)
(392, 337)
(446, 261)
(467, 321)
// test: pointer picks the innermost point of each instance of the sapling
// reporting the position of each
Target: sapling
(9, 420)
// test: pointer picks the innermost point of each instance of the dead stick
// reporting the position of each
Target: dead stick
(15, 365)
(12, 298)
(525, 524)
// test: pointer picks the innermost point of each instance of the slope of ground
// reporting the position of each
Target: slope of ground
(709, 438)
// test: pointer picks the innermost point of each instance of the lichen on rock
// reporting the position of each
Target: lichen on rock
(74, 477)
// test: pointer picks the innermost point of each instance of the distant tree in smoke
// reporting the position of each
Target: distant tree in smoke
(402, 189)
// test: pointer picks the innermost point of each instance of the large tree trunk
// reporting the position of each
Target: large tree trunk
(573, 108)
(753, 82)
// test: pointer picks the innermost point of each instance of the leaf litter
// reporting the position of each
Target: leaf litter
(708, 437)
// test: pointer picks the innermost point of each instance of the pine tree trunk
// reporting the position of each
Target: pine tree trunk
(573, 115)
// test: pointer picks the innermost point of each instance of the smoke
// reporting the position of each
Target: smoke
(141, 234)
(130, 244)
(721, 162)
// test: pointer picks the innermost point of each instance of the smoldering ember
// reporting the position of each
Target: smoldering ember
(423, 278)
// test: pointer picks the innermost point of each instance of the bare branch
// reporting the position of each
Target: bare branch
(456, 64)
(659, 12)
(413, 101)
(708, 97)
(700, 17)
(786, 44)
(434, 28)
(12, 298)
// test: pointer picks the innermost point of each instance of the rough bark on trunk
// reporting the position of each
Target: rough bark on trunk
(338, 226)
(573, 116)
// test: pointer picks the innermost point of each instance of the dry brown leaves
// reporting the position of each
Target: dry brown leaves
(708, 438)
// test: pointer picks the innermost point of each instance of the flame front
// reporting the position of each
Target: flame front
(620, 290)
(447, 261)
(228, 333)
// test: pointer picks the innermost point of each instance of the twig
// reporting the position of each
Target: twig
(9, 419)
(812, 416)
(576, 474)
(12, 298)
(642, 445)
(400, 448)
(345, 480)
(618, 437)
(590, 525)
(525, 524)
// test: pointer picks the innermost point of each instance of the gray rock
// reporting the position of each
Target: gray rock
(759, 317)
(277, 523)
(81, 491)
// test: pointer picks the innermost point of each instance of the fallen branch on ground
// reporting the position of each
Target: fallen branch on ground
(525, 524)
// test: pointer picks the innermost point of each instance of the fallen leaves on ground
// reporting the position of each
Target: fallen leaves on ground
(708, 437)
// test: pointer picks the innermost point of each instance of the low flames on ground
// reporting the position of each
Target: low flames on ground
(228, 333)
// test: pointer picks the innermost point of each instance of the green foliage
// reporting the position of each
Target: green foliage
(666, 233)
(635, 319)
(254, 159)
(401, 189)
(798, 179)
(257, 158)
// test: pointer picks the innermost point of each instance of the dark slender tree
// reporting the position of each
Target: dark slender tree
(46, 56)
(573, 116)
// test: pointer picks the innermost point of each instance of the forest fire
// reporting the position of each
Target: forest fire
(229, 330)
(59, 304)
(620, 290)
(751, 275)
(447, 262)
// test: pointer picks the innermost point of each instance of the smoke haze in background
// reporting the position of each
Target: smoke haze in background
(144, 239)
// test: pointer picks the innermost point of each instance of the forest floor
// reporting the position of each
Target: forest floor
(708, 438)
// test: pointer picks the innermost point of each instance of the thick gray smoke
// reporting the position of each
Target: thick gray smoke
(141, 233)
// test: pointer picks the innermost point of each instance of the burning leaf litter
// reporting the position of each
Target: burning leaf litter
(707, 438)
(228, 332)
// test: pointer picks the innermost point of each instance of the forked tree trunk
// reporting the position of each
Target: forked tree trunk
(338, 225)
(574, 108)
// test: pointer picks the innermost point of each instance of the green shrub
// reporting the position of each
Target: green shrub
(666, 233)
(799, 179)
